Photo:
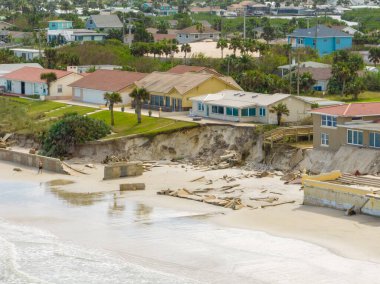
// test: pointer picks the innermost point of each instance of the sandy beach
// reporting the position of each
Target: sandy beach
(354, 237)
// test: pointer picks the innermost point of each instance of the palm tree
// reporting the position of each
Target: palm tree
(49, 77)
(374, 55)
(222, 44)
(200, 28)
(185, 48)
(112, 99)
(280, 110)
(235, 44)
(139, 95)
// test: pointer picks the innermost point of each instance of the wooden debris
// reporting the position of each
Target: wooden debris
(276, 204)
(197, 179)
(266, 199)
(273, 192)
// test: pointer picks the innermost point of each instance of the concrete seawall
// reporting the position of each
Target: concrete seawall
(341, 197)
(30, 160)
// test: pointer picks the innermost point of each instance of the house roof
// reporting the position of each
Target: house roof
(181, 69)
(318, 31)
(350, 110)
(33, 74)
(241, 99)
(320, 101)
(193, 30)
(159, 37)
(311, 64)
(7, 68)
(321, 74)
(164, 82)
(108, 80)
(107, 21)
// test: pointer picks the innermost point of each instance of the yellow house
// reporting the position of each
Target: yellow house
(172, 92)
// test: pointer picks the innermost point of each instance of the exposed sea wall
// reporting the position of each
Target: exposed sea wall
(31, 160)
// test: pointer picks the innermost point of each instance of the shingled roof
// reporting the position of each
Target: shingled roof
(33, 74)
(194, 30)
(318, 31)
(164, 82)
(108, 80)
(350, 110)
(107, 21)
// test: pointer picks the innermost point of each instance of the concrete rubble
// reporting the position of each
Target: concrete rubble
(132, 186)
(123, 169)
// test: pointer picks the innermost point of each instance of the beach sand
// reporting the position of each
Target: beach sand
(353, 237)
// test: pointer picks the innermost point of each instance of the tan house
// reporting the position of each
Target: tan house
(240, 106)
(92, 87)
(356, 124)
(172, 92)
(193, 34)
(27, 81)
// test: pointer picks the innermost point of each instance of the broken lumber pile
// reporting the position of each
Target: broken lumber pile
(227, 202)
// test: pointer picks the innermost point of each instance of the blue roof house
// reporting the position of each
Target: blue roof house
(325, 40)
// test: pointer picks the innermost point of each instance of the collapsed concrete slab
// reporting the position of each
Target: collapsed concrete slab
(123, 169)
(132, 186)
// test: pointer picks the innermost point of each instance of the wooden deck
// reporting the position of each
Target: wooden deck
(278, 135)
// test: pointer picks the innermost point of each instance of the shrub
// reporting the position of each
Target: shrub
(71, 130)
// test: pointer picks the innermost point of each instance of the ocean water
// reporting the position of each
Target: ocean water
(49, 236)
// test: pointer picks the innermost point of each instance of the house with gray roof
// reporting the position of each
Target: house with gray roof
(241, 106)
(321, 38)
(104, 22)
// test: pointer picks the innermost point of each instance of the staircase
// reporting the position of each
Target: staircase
(279, 134)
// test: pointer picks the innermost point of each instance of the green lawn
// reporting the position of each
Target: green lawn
(363, 97)
(70, 108)
(126, 124)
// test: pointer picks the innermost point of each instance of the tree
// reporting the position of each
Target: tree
(268, 33)
(50, 57)
(374, 55)
(49, 77)
(235, 43)
(112, 99)
(141, 34)
(355, 87)
(71, 130)
(186, 48)
(139, 95)
(222, 44)
(162, 27)
(200, 28)
(280, 110)
(344, 69)
(115, 34)
(306, 81)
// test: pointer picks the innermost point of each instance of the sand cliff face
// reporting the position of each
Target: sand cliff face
(205, 145)
(202, 144)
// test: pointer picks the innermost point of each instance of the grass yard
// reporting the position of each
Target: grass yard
(70, 108)
(126, 124)
(363, 97)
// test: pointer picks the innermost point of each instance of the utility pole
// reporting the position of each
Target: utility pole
(244, 25)
(298, 73)
(290, 71)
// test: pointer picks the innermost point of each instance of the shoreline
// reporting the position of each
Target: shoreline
(354, 237)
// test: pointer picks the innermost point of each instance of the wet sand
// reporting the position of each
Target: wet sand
(354, 237)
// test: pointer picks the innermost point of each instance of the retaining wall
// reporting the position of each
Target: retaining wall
(341, 197)
(30, 160)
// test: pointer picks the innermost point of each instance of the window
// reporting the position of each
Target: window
(59, 90)
(232, 111)
(201, 106)
(328, 120)
(262, 111)
(248, 112)
(196, 36)
(217, 109)
(374, 140)
(167, 101)
(180, 35)
(187, 36)
(338, 41)
(156, 100)
(354, 137)
(324, 139)
(211, 35)
(314, 41)
(300, 40)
